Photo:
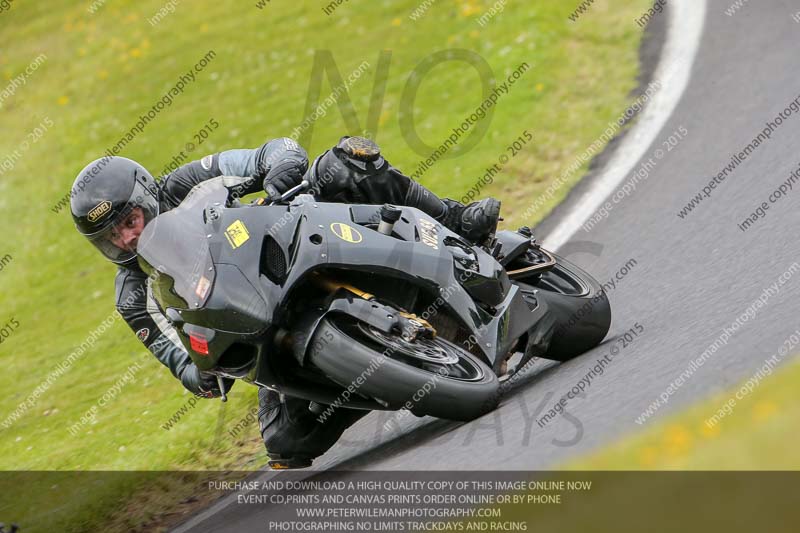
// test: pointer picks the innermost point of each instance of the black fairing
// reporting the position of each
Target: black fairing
(244, 301)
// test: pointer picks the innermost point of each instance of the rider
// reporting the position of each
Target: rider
(113, 198)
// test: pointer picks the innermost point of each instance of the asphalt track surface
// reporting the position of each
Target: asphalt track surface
(694, 276)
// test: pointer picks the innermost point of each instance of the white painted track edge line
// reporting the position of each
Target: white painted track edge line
(684, 32)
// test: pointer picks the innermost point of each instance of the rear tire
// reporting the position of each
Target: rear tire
(580, 308)
(348, 351)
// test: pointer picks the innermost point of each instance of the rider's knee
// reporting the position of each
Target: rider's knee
(328, 174)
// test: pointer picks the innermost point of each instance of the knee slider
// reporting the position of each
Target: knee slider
(328, 174)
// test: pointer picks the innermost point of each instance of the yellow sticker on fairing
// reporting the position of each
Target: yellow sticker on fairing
(237, 234)
(346, 233)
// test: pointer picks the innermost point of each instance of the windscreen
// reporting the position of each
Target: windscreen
(174, 250)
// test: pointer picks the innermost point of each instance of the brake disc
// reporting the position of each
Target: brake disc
(420, 348)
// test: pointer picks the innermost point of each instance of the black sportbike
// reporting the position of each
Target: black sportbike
(363, 306)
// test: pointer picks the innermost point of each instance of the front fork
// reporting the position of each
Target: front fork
(409, 325)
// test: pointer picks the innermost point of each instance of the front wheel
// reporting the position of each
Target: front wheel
(427, 376)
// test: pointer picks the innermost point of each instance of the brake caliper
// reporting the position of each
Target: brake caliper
(412, 326)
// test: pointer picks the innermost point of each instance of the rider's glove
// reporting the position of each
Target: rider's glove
(282, 177)
(209, 387)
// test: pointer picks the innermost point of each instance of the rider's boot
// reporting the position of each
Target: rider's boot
(293, 435)
(476, 221)
(355, 171)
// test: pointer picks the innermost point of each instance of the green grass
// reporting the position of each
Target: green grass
(759, 434)
(103, 70)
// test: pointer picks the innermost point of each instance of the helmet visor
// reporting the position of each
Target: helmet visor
(118, 239)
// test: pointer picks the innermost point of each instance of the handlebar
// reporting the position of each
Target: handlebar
(291, 192)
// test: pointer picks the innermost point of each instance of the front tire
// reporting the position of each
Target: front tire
(436, 376)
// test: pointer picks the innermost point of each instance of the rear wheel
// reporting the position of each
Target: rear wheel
(579, 306)
(427, 376)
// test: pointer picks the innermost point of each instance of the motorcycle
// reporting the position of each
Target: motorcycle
(363, 306)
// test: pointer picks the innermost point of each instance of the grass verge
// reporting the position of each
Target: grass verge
(756, 432)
